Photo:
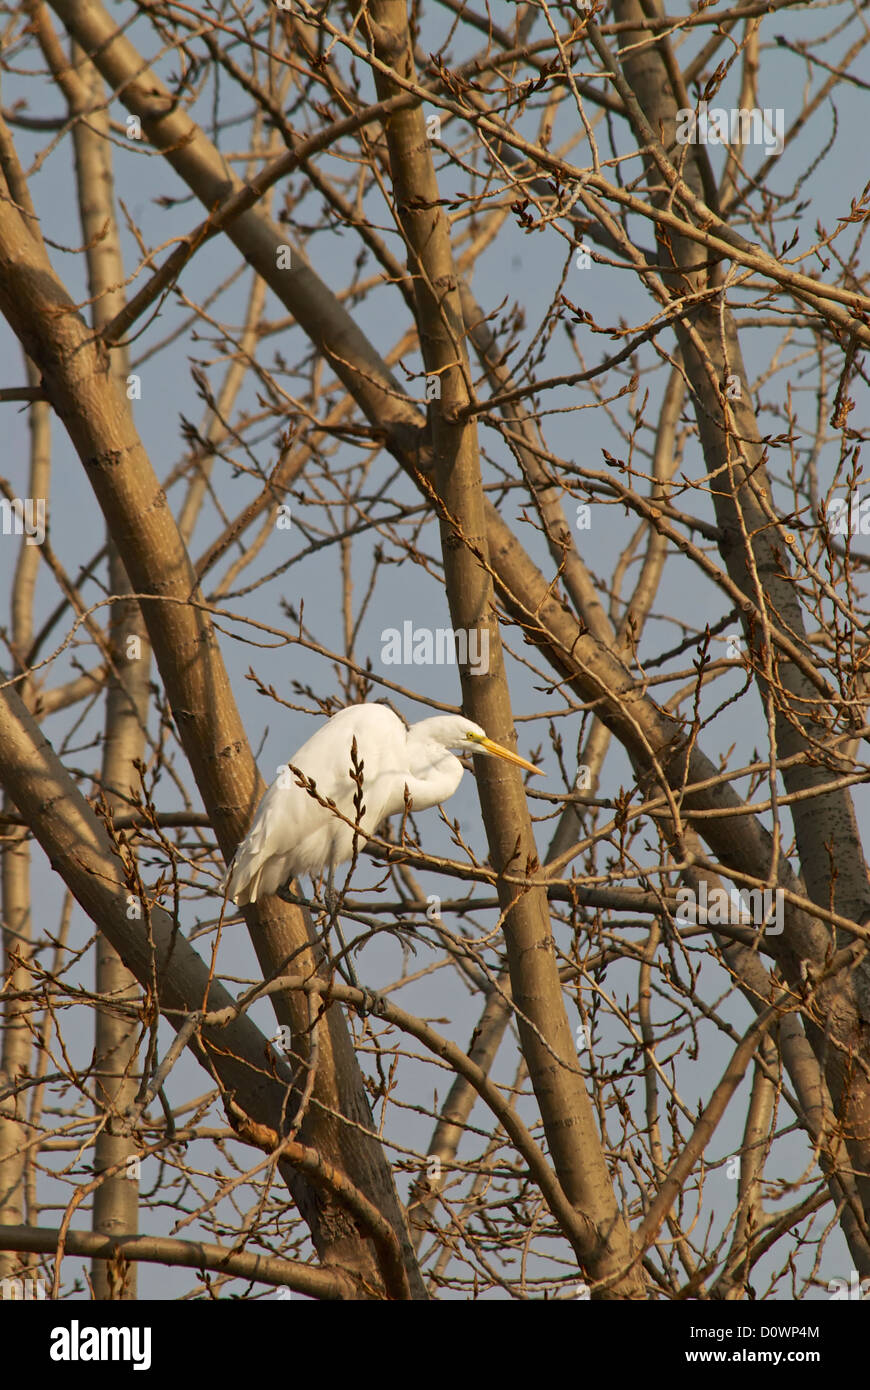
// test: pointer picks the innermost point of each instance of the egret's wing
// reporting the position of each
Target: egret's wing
(327, 758)
(276, 830)
(293, 832)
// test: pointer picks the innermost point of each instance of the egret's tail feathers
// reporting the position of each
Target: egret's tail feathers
(251, 877)
(240, 883)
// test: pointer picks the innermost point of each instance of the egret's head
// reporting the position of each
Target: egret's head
(454, 731)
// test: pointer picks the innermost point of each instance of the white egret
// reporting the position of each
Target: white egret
(293, 833)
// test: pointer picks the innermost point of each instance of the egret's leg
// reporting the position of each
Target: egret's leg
(331, 898)
(370, 997)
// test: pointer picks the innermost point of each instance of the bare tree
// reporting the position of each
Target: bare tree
(645, 562)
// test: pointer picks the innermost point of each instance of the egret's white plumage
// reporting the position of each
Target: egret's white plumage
(293, 834)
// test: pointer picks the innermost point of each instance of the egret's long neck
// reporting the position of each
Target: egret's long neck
(433, 772)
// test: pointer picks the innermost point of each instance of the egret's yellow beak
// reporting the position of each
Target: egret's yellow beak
(496, 749)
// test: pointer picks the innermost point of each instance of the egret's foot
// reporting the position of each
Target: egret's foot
(287, 897)
(372, 1003)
